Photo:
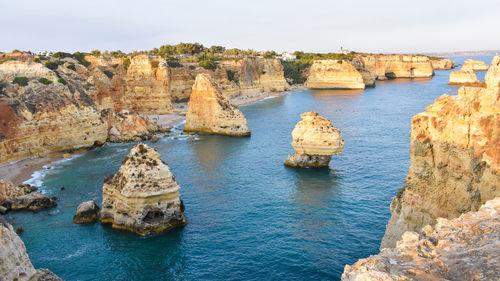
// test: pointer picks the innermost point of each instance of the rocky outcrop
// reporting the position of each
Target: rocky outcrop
(87, 212)
(465, 248)
(315, 140)
(455, 160)
(143, 196)
(14, 261)
(463, 77)
(139, 83)
(233, 78)
(209, 112)
(333, 74)
(40, 118)
(442, 63)
(23, 197)
(475, 65)
(398, 66)
(128, 126)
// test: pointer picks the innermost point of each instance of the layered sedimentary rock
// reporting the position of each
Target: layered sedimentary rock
(209, 112)
(39, 118)
(127, 126)
(143, 196)
(398, 66)
(442, 63)
(465, 248)
(475, 65)
(455, 159)
(463, 76)
(23, 197)
(233, 78)
(333, 74)
(141, 85)
(14, 261)
(315, 140)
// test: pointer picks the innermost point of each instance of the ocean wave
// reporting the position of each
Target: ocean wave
(38, 176)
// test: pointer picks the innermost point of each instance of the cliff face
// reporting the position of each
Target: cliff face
(143, 196)
(233, 78)
(330, 74)
(463, 77)
(315, 140)
(455, 160)
(475, 65)
(143, 86)
(442, 64)
(209, 112)
(398, 66)
(39, 118)
(465, 248)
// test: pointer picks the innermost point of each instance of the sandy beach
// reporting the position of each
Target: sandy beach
(22, 170)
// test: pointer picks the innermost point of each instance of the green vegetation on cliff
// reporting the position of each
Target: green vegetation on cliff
(20, 80)
(45, 81)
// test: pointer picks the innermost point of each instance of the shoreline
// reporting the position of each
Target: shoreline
(22, 170)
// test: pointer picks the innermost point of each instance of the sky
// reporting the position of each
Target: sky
(377, 26)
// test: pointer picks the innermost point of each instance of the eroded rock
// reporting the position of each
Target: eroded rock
(87, 212)
(475, 65)
(464, 77)
(333, 74)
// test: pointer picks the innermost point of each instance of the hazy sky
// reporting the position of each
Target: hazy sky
(320, 26)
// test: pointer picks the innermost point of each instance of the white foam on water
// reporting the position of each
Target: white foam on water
(38, 176)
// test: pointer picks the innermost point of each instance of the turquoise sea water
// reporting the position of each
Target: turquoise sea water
(250, 217)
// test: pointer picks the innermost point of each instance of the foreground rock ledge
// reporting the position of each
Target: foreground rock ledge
(209, 112)
(143, 197)
(315, 140)
(465, 248)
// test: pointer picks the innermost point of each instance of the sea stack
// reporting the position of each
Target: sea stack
(143, 196)
(463, 77)
(333, 74)
(475, 65)
(209, 112)
(315, 140)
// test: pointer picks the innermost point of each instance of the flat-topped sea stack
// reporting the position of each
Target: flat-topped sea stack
(398, 66)
(315, 140)
(475, 65)
(463, 77)
(442, 63)
(143, 196)
(455, 159)
(333, 74)
(209, 112)
(465, 248)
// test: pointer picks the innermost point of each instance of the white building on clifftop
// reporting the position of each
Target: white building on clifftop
(288, 56)
(343, 51)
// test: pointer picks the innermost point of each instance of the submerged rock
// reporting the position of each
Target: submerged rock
(209, 112)
(315, 140)
(465, 248)
(143, 196)
(475, 65)
(463, 76)
(86, 212)
(332, 74)
(44, 274)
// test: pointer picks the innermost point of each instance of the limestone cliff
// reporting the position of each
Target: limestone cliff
(127, 126)
(442, 64)
(455, 159)
(465, 248)
(398, 66)
(141, 85)
(209, 112)
(40, 113)
(143, 196)
(14, 261)
(332, 74)
(315, 140)
(466, 77)
(475, 65)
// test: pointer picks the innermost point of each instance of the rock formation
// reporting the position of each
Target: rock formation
(465, 248)
(475, 65)
(40, 116)
(86, 212)
(23, 197)
(442, 63)
(333, 74)
(398, 66)
(315, 140)
(455, 160)
(14, 261)
(143, 196)
(127, 126)
(465, 77)
(209, 112)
